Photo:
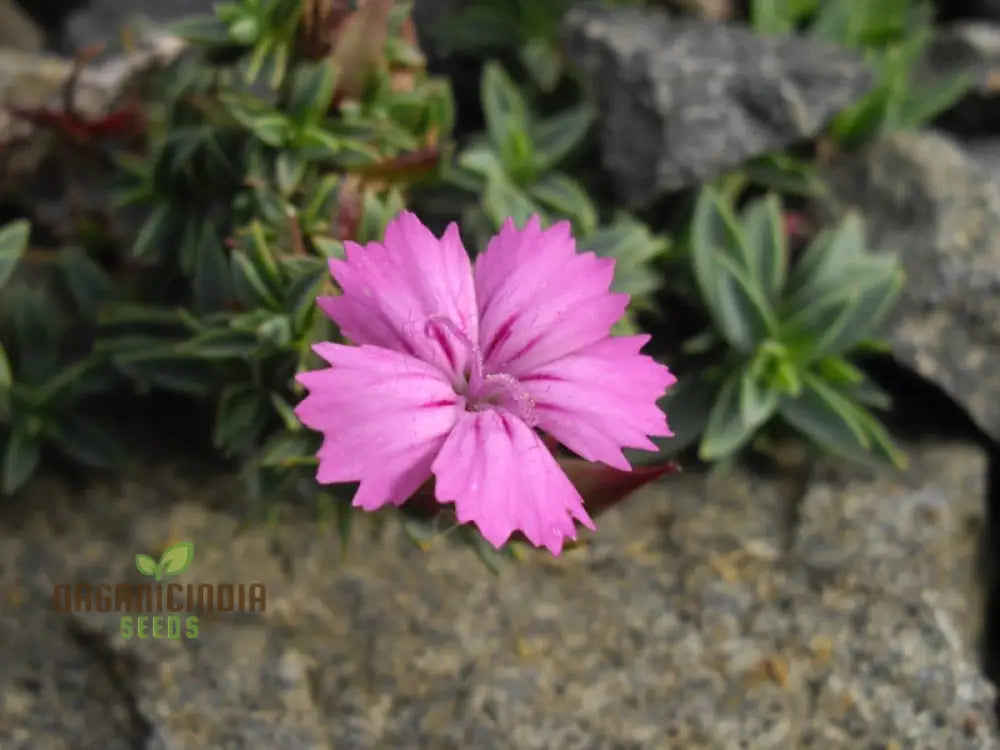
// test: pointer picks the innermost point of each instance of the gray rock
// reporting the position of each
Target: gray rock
(928, 201)
(986, 153)
(102, 21)
(17, 30)
(681, 101)
(705, 613)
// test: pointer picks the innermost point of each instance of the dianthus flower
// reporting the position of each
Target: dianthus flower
(455, 368)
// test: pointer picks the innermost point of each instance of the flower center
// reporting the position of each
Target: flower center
(484, 390)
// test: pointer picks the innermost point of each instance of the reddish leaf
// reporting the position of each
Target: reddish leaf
(602, 487)
(349, 209)
(127, 121)
(360, 47)
(321, 20)
(407, 167)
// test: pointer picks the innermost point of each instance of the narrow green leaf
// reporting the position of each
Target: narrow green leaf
(923, 104)
(6, 375)
(865, 119)
(541, 58)
(725, 432)
(737, 306)
(567, 198)
(317, 144)
(239, 419)
(881, 444)
(809, 331)
(188, 376)
(212, 276)
(276, 331)
(260, 252)
(219, 344)
(556, 137)
(628, 241)
(507, 120)
(88, 283)
(839, 371)
(838, 319)
(784, 174)
(822, 266)
(152, 232)
(13, 244)
(483, 160)
(85, 441)
(285, 449)
(764, 234)
(826, 416)
(867, 393)
(494, 559)
(874, 300)
(420, 533)
(22, 454)
(83, 377)
(269, 126)
(248, 285)
(36, 332)
(190, 244)
(501, 200)
(302, 295)
(129, 313)
(289, 170)
(757, 400)
(312, 91)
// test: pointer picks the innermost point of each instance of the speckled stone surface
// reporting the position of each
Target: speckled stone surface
(706, 613)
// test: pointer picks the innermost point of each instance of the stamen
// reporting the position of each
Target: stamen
(513, 396)
(485, 391)
(440, 323)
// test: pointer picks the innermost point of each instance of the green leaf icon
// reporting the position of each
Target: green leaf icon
(145, 565)
(175, 559)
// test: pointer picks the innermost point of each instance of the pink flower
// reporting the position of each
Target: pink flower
(455, 367)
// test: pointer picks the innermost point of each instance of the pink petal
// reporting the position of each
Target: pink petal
(392, 289)
(539, 299)
(503, 479)
(384, 417)
(602, 398)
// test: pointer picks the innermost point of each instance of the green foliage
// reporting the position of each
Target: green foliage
(892, 35)
(523, 29)
(784, 332)
(777, 172)
(250, 189)
(46, 384)
(514, 169)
